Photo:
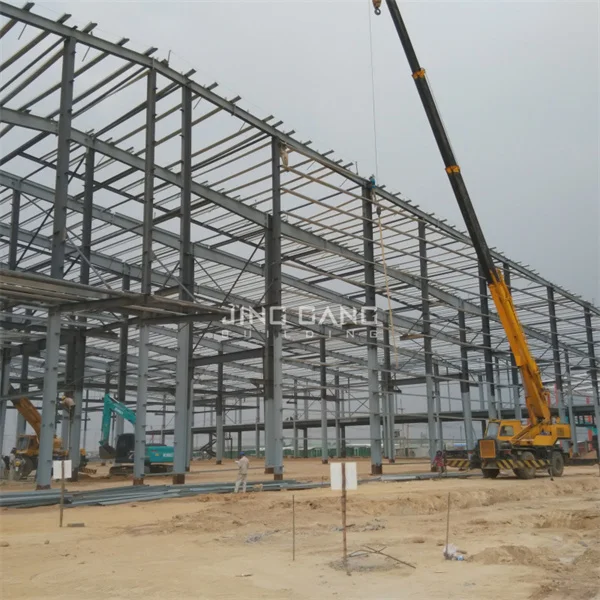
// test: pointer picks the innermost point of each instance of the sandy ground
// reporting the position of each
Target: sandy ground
(537, 540)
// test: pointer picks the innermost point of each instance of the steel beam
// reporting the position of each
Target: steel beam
(230, 107)
(370, 301)
(242, 355)
(59, 236)
(146, 287)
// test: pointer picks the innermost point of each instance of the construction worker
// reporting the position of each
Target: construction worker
(438, 463)
(242, 472)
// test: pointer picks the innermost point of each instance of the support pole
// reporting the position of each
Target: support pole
(427, 341)
(465, 391)
(59, 237)
(86, 416)
(323, 379)
(146, 286)
(182, 430)
(371, 316)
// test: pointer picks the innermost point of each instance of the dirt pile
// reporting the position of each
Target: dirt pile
(576, 519)
(511, 555)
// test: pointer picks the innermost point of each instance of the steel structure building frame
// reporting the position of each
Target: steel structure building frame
(144, 204)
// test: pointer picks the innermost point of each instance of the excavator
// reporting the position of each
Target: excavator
(158, 459)
(507, 444)
(28, 446)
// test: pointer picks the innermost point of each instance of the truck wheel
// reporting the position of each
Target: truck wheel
(557, 464)
(525, 472)
(490, 473)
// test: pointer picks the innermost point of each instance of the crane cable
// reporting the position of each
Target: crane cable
(373, 183)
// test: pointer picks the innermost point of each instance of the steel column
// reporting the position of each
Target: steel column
(5, 368)
(465, 393)
(514, 370)
(439, 442)
(257, 430)
(338, 431)
(574, 441)
(427, 340)
(123, 349)
(183, 434)
(558, 378)
(371, 314)
(21, 423)
(323, 385)
(593, 375)
(59, 237)
(306, 413)
(80, 339)
(146, 286)
(388, 395)
(220, 449)
(487, 347)
(274, 346)
(295, 442)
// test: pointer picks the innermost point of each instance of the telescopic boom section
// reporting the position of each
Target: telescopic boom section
(30, 413)
(536, 396)
(112, 406)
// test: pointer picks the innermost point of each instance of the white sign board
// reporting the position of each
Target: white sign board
(57, 469)
(335, 473)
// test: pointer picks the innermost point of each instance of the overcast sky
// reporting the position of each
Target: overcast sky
(516, 83)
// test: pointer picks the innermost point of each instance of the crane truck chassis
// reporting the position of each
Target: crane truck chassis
(508, 444)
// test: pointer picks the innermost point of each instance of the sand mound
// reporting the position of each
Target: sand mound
(510, 555)
(576, 519)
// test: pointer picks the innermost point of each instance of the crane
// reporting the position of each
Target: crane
(158, 456)
(28, 446)
(507, 444)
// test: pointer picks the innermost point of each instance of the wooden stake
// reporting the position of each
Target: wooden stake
(293, 527)
(344, 516)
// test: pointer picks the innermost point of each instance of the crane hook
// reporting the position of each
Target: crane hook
(376, 5)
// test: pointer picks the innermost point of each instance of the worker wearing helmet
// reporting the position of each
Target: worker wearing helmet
(242, 464)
